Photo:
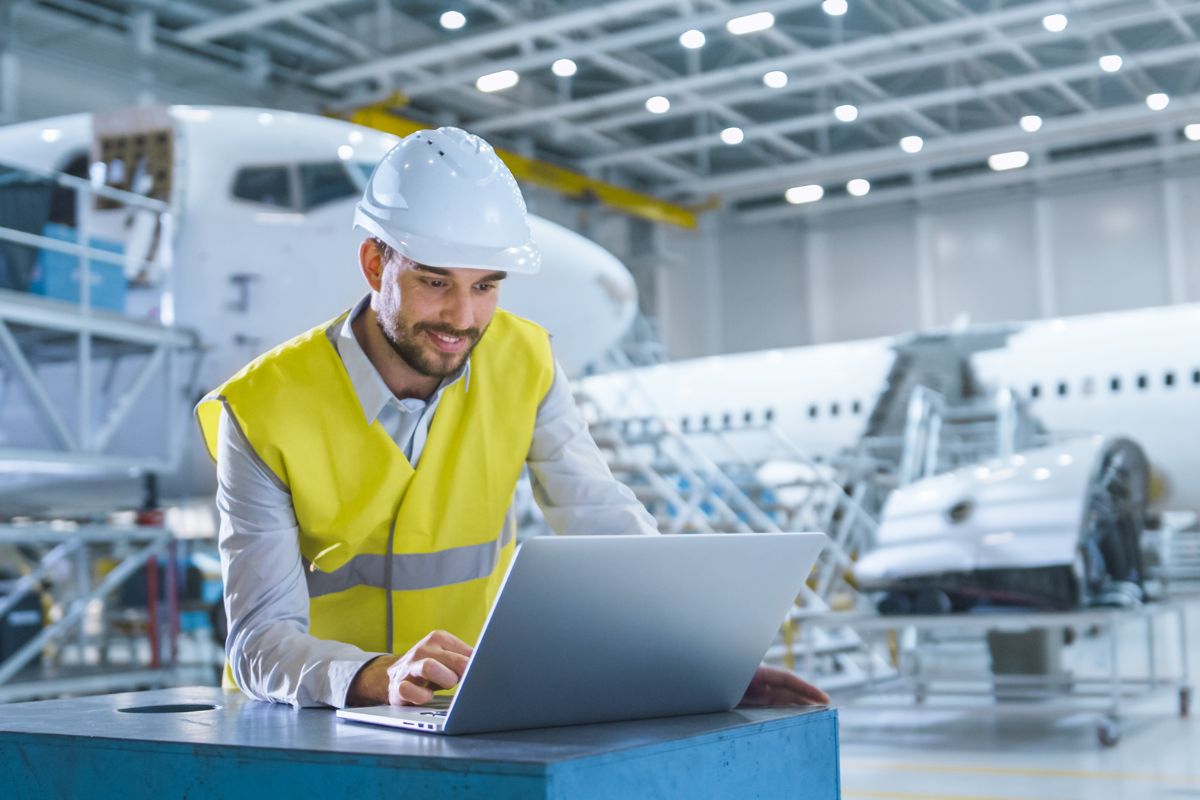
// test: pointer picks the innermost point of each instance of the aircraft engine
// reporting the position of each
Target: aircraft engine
(1053, 527)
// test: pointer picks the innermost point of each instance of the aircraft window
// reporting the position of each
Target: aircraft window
(726, 419)
(704, 422)
(748, 417)
(324, 183)
(834, 409)
(812, 412)
(1062, 388)
(856, 407)
(1142, 381)
(1035, 391)
(1115, 384)
(271, 186)
(769, 415)
(685, 423)
(1169, 379)
(1196, 376)
(1087, 386)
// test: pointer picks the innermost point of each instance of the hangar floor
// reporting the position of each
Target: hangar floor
(957, 755)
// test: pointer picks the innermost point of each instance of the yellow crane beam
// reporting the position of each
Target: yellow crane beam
(548, 176)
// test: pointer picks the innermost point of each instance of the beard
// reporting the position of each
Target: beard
(415, 348)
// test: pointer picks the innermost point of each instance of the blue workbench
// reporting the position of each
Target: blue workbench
(87, 747)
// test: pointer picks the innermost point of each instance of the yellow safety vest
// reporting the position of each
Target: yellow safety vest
(368, 520)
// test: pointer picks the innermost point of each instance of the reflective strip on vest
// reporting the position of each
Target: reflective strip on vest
(410, 571)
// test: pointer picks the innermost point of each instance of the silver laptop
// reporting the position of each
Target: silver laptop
(603, 628)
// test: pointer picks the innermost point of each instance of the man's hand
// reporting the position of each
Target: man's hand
(436, 662)
(777, 687)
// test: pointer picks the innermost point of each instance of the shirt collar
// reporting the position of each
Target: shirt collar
(372, 392)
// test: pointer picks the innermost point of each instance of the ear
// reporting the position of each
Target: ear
(371, 263)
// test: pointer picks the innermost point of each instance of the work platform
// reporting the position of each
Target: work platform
(149, 744)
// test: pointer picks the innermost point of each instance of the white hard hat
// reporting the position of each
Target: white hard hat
(445, 199)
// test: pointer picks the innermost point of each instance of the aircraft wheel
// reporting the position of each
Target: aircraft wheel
(1108, 732)
(895, 604)
(932, 601)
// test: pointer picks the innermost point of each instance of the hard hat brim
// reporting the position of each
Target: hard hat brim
(523, 259)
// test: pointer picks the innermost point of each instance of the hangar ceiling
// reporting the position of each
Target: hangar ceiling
(900, 95)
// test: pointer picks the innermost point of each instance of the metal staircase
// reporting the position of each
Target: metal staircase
(702, 482)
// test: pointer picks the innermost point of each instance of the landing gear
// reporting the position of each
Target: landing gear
(1108, 731)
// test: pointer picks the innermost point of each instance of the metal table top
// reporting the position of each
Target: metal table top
(247, 725)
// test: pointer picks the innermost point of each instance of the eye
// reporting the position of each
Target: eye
(485, 287)
(435, 283)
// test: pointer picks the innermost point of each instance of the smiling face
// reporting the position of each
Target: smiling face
(432, 317)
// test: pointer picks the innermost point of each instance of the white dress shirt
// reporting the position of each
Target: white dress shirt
(271, 653)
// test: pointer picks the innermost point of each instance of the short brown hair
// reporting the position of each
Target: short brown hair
(386, 251)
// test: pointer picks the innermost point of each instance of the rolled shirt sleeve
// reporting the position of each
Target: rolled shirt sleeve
(571, 481)
(271, 653)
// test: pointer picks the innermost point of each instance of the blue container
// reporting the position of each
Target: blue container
(57, 274)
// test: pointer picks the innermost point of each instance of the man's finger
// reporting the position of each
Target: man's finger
(455, 661)
(411, 694)
(435, 672)
(448, 641)
(790, 682)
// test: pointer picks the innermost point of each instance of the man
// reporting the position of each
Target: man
(366, 468)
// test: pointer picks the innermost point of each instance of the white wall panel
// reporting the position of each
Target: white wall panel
(855, 275)
(870, 275)
(689, 302)
(1189, 197)
(763, 269)
(1109, 249)
(984, 263)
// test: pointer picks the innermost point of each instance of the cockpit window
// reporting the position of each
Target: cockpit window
(271, 186)
(324, 183)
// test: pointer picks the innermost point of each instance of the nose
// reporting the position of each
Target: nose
(459, 310)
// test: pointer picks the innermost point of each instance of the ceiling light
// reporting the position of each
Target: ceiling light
(1031, 123)
(497, 81)
(732, 136)
(1055, 23)
(1004, 161)
(751, 23)
(858, 187)
(1192, 132)
(1157, 101)
(846, 113)
(453, 20)
(51, 134)
(912, 144)
(345, 152)
(658, 104)
(776, 79)
(804, 194)
(1111, 62)
(564, 68)
(692, 40)
(835, 8)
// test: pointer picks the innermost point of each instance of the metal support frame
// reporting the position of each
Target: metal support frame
(1106, 693)
(71, 542)
(98, 334)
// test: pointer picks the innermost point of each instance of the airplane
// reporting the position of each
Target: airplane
(263, 247)
(1114, 394)
(246, 221)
